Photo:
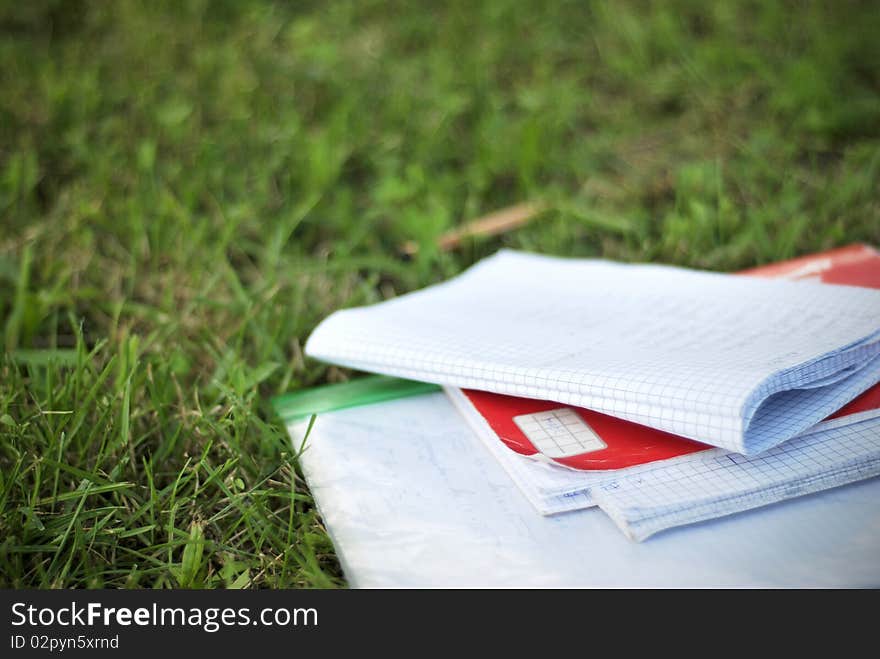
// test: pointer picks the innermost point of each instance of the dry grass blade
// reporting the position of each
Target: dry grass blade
(493, 224)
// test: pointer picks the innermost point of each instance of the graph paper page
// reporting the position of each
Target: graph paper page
(715, 484)
(703, 355)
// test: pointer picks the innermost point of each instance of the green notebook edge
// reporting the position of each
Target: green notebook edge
(330, 397)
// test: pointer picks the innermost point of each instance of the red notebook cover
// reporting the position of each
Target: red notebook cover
(579, 438)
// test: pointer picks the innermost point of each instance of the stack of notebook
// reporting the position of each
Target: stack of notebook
(660, 396)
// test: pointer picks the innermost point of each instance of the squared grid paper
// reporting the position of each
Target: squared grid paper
(697, 354)
(559, 433)
(719, 484)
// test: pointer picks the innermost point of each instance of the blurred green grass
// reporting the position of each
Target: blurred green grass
(186, 189)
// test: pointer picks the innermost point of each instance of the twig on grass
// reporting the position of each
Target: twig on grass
(492, 224)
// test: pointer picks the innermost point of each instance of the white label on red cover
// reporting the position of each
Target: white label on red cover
(559, 433)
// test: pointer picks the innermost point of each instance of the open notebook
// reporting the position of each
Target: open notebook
(742, 363)
(649, 480)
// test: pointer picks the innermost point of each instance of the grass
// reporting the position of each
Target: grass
(187, 189)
